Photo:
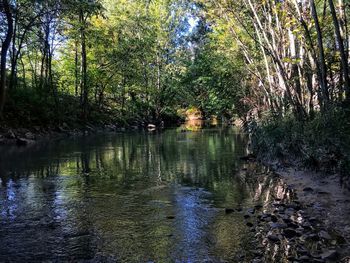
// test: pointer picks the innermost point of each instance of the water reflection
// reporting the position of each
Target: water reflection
(129, 198)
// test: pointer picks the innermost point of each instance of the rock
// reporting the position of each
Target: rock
(64, 125)
(295, 206)
(10, 135)
(258, 207)
(249, 157)
(292, 225)
(289, 211)
(229, 210)
(29, 136)
(256, 253)
(313, 237)
(289, 233)
(323, 193)
(313, 220)
(329, 255)
(251, 211)
(308, 189)
(274, 218)
(278, 225)
(304, 258)
(273, 238)
(170, 217)
(303, 252)
(249, 224)
(23, 142)
(323, 234)
(306, 225)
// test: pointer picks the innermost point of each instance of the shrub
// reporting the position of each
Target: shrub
(321, 143)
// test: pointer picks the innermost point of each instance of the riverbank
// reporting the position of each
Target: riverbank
(307, 220)
(27, 136)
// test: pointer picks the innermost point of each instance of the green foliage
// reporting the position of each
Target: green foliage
(322, 142)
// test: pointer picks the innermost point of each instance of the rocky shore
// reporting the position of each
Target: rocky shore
(306, 219)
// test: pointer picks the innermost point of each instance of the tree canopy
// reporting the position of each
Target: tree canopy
(146, 60)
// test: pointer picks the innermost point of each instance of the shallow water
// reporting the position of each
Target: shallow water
(127, 197)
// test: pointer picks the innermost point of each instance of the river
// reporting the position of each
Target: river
(128, 197)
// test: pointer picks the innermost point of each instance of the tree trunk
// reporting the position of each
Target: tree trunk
(343, 55)
(13, 74)
(4, 49)
(83, 82)
(323, 80)
(76, 70)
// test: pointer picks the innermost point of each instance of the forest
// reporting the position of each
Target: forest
(281, 68)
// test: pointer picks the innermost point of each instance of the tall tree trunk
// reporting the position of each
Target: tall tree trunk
(343, 55)
(4, 49)
(13, 74)
(322, 61)
(83, 83)
(76, 71)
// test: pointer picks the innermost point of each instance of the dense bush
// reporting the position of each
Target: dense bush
(322, 142)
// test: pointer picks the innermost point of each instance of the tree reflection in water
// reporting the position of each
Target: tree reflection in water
(131, 197)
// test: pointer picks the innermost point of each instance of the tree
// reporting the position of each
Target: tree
(4, 49)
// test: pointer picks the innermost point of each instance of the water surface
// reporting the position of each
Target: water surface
(127, 197)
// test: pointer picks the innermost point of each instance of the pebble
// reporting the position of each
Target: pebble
(323, 234)
(329, 255)
(273, 238)
(289, 233)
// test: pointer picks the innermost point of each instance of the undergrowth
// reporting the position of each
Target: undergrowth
(321, 143)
